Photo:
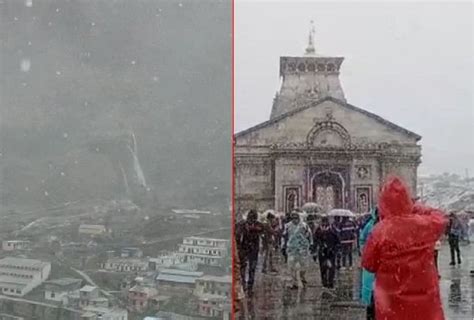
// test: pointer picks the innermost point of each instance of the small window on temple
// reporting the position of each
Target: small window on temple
(301, 67)
(331, 67)
(291, 66)
(311, 67)
(321, 67)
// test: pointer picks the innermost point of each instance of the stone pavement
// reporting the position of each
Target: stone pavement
(457, 285)
(273, 300)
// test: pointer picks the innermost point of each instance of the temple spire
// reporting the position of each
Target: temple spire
(310, 50)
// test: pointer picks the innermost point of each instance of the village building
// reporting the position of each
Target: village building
(140, 298)
(177, 279)
(13, 245)
(89, 296)
(58, 289)
(173, 260)
(213, 294)
(205, 251)
(218, 285)
(103, 313)
(317, 147)
(19, 276)
(126, 265)
(130, 252)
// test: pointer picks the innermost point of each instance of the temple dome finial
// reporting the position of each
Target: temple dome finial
(310, 50)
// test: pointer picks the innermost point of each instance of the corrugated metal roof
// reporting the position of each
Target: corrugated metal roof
(88, 288)
(182, 272)
(177, 279)
(63, 281)
(22, 262)
(223, 279)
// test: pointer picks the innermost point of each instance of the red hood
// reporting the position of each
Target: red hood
(395, 199)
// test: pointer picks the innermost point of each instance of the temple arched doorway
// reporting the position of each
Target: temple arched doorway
(328, 190)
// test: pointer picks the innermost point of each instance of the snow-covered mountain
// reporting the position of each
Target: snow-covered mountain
(448, 191)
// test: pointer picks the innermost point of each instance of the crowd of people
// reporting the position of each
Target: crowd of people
(300, 241)
(398, 243)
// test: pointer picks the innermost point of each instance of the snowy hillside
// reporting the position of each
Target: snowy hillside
(447, 191)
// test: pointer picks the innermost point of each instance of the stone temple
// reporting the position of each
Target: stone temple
(316, 147)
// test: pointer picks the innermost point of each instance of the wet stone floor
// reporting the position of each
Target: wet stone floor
(272, 299)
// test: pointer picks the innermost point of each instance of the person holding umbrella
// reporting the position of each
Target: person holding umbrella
(348, 237)
(346, 230)
(327, 241)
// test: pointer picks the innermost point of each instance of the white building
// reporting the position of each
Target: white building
(168, 260)
(58, 289)
(126, 265)
(19, 276)
(94, 313)
(13, 245)
(215, 285)
(173, 260)
(207, 251)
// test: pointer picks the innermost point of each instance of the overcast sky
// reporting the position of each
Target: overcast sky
(411, 63)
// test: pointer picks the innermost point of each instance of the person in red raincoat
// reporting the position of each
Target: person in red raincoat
(399, 252)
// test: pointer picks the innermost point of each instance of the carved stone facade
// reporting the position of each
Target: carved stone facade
(318, 148)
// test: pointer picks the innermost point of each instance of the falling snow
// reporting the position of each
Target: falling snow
(25, 65)
(58, 73)
(133, 62)
(155, 78)
(65, 135)
(29, 3)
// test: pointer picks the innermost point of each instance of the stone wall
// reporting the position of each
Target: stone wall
(254, 184)
(261, 183)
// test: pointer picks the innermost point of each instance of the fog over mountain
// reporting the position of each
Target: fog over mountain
(81, 79)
